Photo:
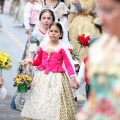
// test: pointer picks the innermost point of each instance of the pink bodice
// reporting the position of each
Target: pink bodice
(54, 63)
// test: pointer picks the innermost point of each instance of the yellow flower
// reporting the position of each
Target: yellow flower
(7, 66)
(5, 60)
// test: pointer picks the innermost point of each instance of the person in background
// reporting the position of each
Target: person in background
(31, 10)
(3, 91)
(82, 74)
(46, 17)
(31, 18)
(2, 5)
(18, 16)
(104, 67)
(81, 21)
(60, 8)
(50, 95)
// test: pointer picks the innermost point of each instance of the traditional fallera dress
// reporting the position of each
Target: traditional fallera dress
(29, 7)
(104, 73)
(61, 10)
(50, 95)
(38, 35)
(82, 24)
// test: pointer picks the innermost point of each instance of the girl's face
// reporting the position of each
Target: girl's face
(109, 14)
(46, 19)
(54, 33)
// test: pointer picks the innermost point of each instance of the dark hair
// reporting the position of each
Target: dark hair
(62, 1)
(117, 0)
(49, 11)
(57, 24)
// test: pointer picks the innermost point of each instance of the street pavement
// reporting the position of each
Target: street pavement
(12, 40)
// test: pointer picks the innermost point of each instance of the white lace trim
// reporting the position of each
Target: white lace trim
(55, 49)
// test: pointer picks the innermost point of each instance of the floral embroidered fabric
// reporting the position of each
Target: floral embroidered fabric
(104, 100)
(47, 98)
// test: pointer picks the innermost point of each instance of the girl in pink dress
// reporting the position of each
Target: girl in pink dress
(46, 17)
(50, 95)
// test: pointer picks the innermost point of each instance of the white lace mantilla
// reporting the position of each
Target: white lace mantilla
(54, 49)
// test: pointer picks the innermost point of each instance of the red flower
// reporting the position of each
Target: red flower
(83, 40)
(70, 50)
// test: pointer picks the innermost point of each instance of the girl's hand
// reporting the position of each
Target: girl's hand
(27, 61)
(27, 31)
(75, 84)
(28, 70)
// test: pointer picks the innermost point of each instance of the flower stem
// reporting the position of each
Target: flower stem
(79, 49)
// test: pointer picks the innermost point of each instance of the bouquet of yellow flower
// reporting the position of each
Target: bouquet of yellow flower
(5, 61)
(22, 82)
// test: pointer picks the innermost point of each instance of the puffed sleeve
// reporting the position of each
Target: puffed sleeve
(61, 10)
(38, 59)
(67, 63)
(73, 8)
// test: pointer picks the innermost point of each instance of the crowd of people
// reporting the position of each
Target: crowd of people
(53, 27)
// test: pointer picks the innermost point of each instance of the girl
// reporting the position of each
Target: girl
(81, 22)
(82, 74)
(60, 8)
(103, 67)
(50, 96)
(27, 18)
(30, 18)
(46, 17)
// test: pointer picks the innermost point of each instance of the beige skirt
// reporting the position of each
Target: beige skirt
(50, 98)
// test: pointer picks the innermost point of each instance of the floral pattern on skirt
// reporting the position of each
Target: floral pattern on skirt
(50, 98)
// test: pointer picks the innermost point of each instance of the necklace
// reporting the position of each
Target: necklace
(51, 49)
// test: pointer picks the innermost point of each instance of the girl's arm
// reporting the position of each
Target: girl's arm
(30, 56)
(70, 70)
(71, 17)
(37, 61)
(78, 5)
(73, 11)
(75, 7)
(67, 63)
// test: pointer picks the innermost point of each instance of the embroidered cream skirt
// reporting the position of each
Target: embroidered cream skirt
(50, 98)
